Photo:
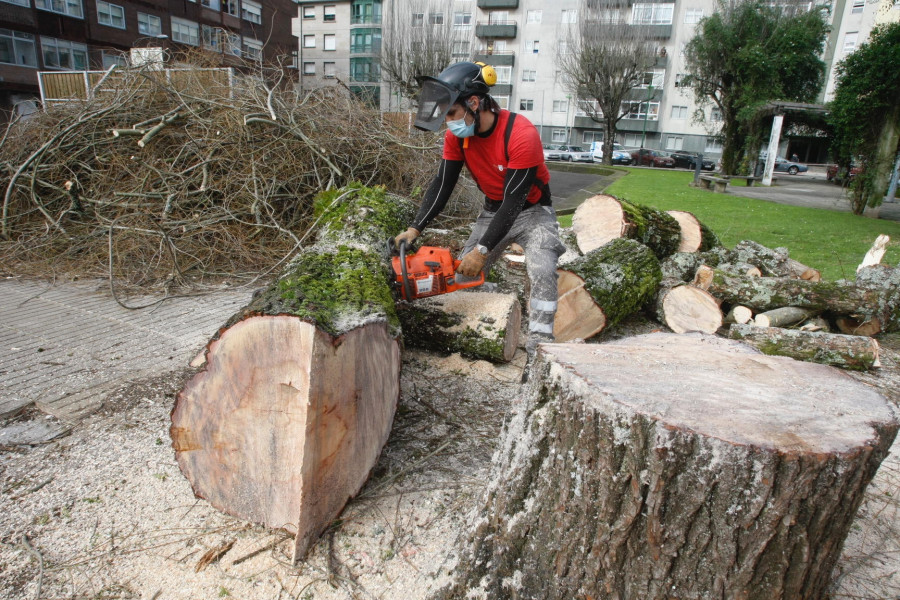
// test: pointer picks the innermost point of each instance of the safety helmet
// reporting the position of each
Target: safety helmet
(457, 82)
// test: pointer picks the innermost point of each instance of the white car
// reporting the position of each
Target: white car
(574, 153)
(598, 149)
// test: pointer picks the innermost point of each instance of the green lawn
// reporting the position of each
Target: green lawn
(833, 242)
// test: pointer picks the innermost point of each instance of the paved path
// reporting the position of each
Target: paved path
(63, 346)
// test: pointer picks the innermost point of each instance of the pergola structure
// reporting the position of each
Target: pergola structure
(811, 114)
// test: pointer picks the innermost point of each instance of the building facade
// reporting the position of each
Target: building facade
(522, 38)
(38, 35)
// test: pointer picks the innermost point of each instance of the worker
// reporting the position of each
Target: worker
(504, 154)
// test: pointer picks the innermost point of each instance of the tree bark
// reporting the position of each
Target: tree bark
(475, 324)
(634, 469)
(853, 352)
(297, 396)
(603, 218)
(684, 308)
(772, 263)
(780, 317)
(604, 286)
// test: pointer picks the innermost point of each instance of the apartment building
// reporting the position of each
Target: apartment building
(38, 35)
(521, 39)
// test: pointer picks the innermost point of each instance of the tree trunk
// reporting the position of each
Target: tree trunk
(873, 298)
(854, 352)
(738, 314)
(298, 392)
(603, 287)
(695, 236)
(781, 317)
(685, 308)
(635, 469)
(772, 263)
(602, 218)
(475, 324)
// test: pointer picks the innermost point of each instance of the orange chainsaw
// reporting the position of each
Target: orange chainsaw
(428, 271)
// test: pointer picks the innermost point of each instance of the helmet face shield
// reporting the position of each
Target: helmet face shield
(435, 101)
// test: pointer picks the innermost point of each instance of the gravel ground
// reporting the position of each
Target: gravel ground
(105, 513)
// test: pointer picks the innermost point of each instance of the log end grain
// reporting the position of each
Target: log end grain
(691, 235)
(687, 308)
(598, 220)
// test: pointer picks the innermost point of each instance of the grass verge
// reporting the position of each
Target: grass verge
(833, 242)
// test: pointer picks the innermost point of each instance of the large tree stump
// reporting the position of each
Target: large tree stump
(603, 287)
(475, 324)
(298, 393)
(667, 466)
(602, 218)
(855, 352)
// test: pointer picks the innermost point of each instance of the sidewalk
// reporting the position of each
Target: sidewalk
(62, 347)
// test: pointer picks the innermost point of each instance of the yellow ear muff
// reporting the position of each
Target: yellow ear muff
(488, 74)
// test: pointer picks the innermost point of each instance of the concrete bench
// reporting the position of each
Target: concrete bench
(718, 184)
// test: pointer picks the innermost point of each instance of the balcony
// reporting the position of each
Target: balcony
(503, 58)
(640, 94)
(496, 29)
(582, 122)
(656, 32)
(491, 4)
(637, 125)
(502, 89)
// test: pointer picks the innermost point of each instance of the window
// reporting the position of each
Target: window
(533, 47)
(211, 37)
(652, 14)
(504, 75)
(309, 12)
(498, 17)
(186, 32)
(679, 112)
(715, 114)
(462, 20)
(64, 7)
(211, 4)
(231, 7)
(460, 49)
(365, 70)
(309, 68)
(251, 11)
(569, 16)
(232, 43)
(858, 7)
(330, 13)
(558, 135)
(62, 54)
(529, 74)
(329, 70)
(112, 58)
(366, 40)
(418, 19)
(436, 18)
(656, 78)
(111, 15)
(590, 137)
(503, 101)
(330, 41)
(563, 47)
(713, 145)
(533, 16)
(632, 140)
(692, 16)
(850, 41)
(561, 106)
(149, 24)
(252, 49)
(17, 48)
(19, 2)
(674, 142)
(681, 80)
(526, 104)
(309, 41)
(639, 110)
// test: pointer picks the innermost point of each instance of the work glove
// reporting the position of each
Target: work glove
(408, 236)
(472, 264)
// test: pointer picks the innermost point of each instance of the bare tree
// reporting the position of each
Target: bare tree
(605, 58)
(420, 38)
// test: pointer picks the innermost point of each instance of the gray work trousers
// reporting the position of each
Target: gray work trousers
(537, 231)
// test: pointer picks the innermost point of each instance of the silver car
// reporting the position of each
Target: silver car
(574, 153)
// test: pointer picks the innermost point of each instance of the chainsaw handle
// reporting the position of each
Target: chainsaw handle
(468, 284)
(407, 286)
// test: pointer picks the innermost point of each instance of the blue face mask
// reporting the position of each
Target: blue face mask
(460, 129)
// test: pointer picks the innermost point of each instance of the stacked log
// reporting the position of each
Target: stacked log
(603, 218)
(635, 469)
(854, 352)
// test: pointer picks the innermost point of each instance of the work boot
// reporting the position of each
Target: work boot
(531, 350)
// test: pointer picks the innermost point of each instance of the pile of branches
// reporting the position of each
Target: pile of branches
(184, 176)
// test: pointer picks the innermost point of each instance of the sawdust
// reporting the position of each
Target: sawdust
(105, 512)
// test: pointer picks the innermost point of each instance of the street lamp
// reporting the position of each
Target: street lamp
(646, 112)
(568, 130)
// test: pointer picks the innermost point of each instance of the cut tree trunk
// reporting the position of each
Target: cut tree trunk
(695, 236)
(475, 324)
(298, 392)
(685, 308)
(854, 352)
(874, 298)
(781, 317)
(602, 218)
(603, 287)
(635, 469)
(772, 263)
(738, 314)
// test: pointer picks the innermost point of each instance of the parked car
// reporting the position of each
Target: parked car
(651, 158)
(688, 160)
(833, 173)
(574, 153)
(598, 150)
(783, 165)
(551, 152)
(621, 157)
